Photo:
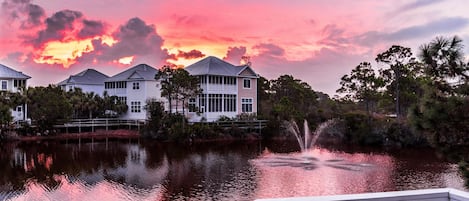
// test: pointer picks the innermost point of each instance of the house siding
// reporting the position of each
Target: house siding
(247, 93)
(19, 113)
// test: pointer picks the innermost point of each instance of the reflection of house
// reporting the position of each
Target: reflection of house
(134, 86)
(228, 90)
(14, 81)
(88, 80)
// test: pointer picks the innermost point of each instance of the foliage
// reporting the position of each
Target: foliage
(362, 84)
(443, 60)
(156, 116)
(292, 98)
(401, 78)
(112, 106)
(441, 113)
(177, 85)
(48, 105)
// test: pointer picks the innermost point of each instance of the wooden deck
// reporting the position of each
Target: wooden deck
(441, 194)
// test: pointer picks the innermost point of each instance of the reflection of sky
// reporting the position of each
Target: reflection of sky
(223, 173)
(343, 173)
(78, 190)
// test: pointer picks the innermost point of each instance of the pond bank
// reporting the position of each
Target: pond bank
(99, 134)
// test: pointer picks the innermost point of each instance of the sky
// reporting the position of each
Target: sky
(316, 41)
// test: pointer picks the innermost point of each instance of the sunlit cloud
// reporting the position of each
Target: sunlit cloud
(126, 60)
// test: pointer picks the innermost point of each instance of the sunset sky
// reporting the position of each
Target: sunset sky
(315, 41)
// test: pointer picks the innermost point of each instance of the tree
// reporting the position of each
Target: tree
(288, 92)
(441, 113)
(165, 75)
(401, 76)
(156, 115)
(264, 96)
(48, 105)
(112, 106)
(362, 84)
(9, 100)
(187, 86)
(177, 85)
(443, 60)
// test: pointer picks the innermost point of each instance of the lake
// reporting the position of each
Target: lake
(147, 170)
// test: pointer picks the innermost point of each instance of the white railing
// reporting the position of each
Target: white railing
(441, 194)
(102, 123)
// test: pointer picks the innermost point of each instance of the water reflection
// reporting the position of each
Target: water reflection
(123, 170)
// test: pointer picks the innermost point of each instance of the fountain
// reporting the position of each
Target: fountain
(308, 139)
(306, 159)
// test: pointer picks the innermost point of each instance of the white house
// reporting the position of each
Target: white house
(134, 87)
(13, 81)
(228, 90)
(89, 80)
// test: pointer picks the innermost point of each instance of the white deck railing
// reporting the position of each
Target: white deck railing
(441, 194)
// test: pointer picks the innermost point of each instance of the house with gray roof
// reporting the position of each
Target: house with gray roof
(14, 81)
(228, 90)
(89, 80)
(134, 87)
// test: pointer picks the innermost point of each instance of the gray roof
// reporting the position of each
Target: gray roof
(214, 66)
(138, 72)
(7, 72)
(88, 76)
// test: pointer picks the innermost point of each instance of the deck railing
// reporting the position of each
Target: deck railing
(441, 194)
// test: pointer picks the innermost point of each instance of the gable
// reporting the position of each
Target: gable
(135, 76)
(248, 72)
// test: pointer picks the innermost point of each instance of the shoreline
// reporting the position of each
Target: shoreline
(120, 134)
(100, 134)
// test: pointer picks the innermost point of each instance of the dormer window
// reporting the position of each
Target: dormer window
(136, 86)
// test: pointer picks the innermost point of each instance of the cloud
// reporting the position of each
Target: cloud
(334, 37)
(270, 49)
(442, 26)
(193, 54)
(416, 4)
(92, 28)
(58, 27)
(134, 38)
(30, 15)
(234, 54)
(322, 71)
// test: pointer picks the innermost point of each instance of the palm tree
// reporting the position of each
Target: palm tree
(443, 60)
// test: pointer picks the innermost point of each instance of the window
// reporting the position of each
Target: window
(246, 104)
(247, 83)
(215, 79)
(192, 105)
(19, 108)
(109, 85)
(202, 103)
(229, 103)
(214, 102)
(135, 106)
(136, 85)
(229, 80)
(202, 79)
(15, 83)
(122, 99)
(4, 85)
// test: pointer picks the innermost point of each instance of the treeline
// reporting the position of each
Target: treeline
(46, 106)
(427, 94)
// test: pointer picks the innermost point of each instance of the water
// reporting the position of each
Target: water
(306, 139)
(123, 170)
